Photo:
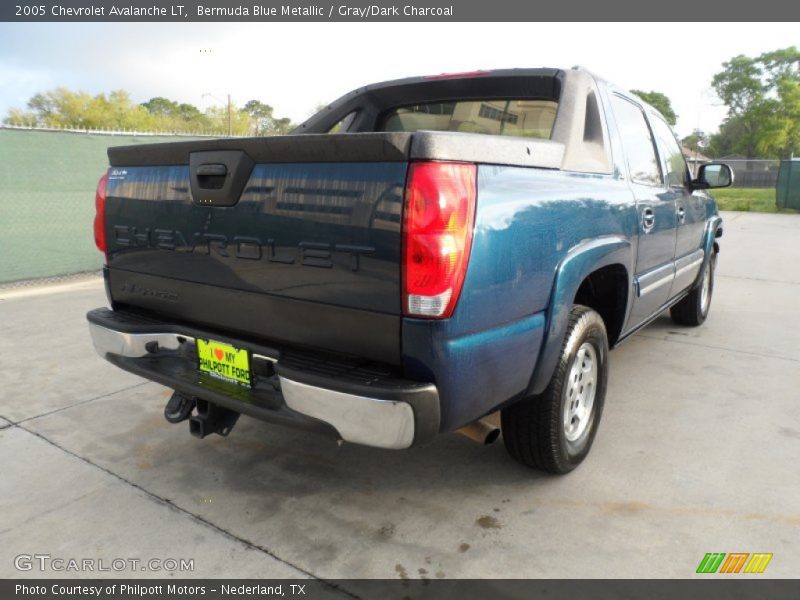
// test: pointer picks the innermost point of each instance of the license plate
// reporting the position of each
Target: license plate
(223, 361)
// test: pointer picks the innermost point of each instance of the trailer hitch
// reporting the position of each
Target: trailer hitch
(179, 407)
(211, 418)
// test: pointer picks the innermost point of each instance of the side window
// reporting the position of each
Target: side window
(637, 142)
(675, 164)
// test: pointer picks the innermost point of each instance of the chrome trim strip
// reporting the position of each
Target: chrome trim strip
(691, 257)
(358, 419)
(694, 265)
(132, 345)
(651, 281)
(271, 359)
(688, 262)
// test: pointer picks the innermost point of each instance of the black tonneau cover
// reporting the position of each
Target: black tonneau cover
(355, 147)
(362, 147)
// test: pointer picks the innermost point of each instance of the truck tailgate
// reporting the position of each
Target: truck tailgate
(294, 240)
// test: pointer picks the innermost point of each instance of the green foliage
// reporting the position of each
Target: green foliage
(63, 108)
(729, 139)
(168, 115)
(763, 99)
(263, 120)
(660, 102)
(697, 141)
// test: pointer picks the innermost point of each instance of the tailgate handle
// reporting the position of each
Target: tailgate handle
(211, 176)
(218, 177)
(212, 170)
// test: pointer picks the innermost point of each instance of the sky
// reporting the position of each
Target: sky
(295, 67)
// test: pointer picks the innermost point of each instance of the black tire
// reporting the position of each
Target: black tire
(693, 310)
(535, 428)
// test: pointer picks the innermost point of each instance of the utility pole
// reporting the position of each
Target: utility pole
(230, 128)
(230, 111)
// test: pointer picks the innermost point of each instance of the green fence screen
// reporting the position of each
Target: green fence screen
(788, 187)
(47, 185)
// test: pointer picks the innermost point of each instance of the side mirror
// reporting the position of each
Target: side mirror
(715, 175)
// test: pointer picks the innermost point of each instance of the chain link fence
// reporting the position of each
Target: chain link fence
(47, 186)
(748, 173)
(754, 173)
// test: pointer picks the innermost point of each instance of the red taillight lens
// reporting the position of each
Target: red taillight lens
(437, 236)
(100, 213)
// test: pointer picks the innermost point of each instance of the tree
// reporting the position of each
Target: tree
(161, 107)
(739, 84)
(264, 121)
(240, 123)
(697, 141)
(172, 116)
(660, 102)
(62, 107)
(763, 99)
(725, 142)
(188, 112)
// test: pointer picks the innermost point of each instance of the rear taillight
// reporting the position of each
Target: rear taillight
(100, 213)
(437, 236)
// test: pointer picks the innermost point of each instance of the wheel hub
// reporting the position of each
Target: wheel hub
(580, 392)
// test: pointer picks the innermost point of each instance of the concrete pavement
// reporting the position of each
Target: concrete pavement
(697, 452)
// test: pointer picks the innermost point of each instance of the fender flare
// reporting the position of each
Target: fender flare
(713, 227)
(579, 262)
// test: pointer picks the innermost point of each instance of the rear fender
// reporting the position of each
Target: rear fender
(579, 262)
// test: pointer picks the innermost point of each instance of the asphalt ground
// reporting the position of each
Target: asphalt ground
(698, 452)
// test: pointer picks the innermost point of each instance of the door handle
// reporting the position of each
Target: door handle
(681, 215)
(648, 220)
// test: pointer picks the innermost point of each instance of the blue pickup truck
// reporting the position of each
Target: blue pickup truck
(416, 258)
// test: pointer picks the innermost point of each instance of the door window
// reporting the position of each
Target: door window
(637, 141)
(675, 164)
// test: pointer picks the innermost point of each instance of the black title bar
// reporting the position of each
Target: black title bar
(711, 588)
(714, 12)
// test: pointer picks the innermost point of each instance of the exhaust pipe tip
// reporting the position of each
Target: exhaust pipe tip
(481, 432)
(492, 436)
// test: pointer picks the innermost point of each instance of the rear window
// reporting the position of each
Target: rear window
(523, 118)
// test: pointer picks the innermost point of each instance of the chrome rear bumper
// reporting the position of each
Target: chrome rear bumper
(385, 416)
(133, 345)
(358, 419)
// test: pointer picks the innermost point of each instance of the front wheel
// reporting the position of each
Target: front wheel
(553, 431)
(693, 309)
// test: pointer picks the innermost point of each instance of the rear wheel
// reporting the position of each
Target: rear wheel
(693, 309)
(553, 431)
